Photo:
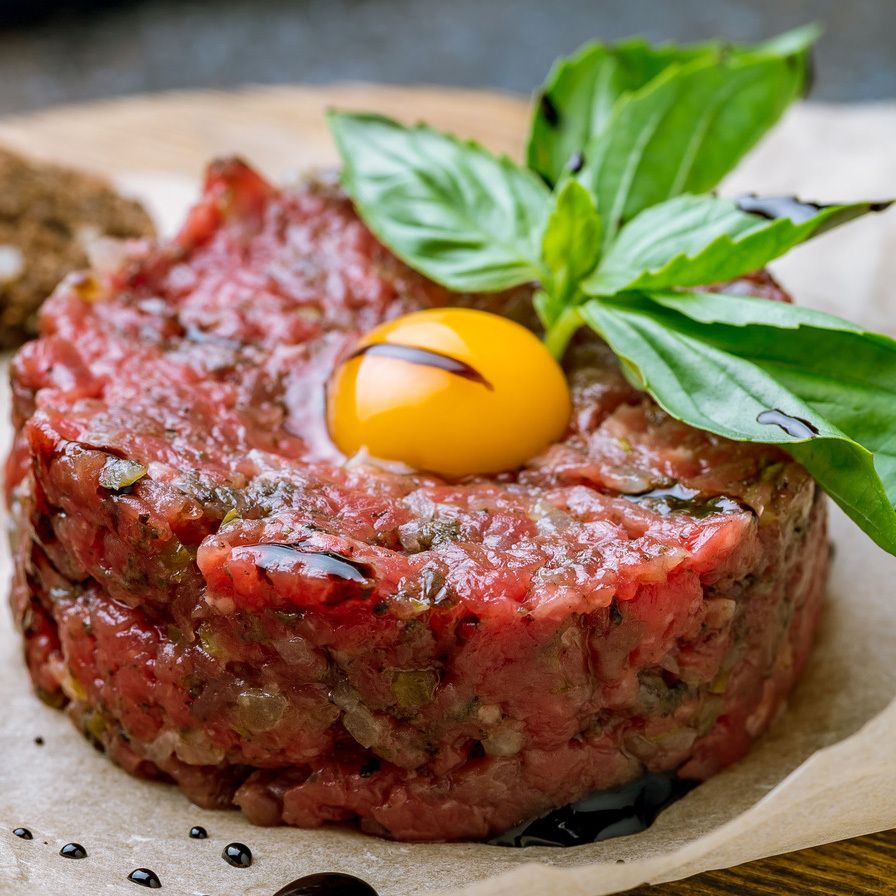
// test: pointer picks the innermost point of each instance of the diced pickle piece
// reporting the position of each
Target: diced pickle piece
(119, 473)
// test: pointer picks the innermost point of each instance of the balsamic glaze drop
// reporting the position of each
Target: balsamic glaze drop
(612, 813)
(198, 833)
(145, 878)
(796, 427)
(576, 162)
(23, 833)
(237, 854)
(327, 884)
(73, 851)
(423, 357)
(549, 110)
(39, 741)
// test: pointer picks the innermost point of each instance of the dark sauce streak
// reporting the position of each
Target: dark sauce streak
(576, 162)
(773, 207)
(145, 878)
(237, 854)
(679, 498)
(796, 427)
(23, 833)
(73, 851)
(198, 833)
(613, 813)
(677, 492)
(424, 358)
(270, 556)
(549, 111)
(327, 884)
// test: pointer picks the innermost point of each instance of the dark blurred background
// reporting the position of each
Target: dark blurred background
(56, 52)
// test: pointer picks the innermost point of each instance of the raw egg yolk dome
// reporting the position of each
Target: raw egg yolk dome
(452, 391)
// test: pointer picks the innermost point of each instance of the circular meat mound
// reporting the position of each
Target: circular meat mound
(222, 600)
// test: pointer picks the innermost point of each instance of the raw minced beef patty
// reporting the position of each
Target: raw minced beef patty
(222, 600)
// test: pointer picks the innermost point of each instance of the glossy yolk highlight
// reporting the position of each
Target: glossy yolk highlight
(452, 391)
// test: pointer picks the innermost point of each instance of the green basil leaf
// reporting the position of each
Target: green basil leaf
(570, 247)
(465, 218)
(582, 91)
(685, 131)
(722, 363)
(694, 240)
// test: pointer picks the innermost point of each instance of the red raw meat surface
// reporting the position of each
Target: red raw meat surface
(429, 659)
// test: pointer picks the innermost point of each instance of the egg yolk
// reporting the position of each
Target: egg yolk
(452, 391)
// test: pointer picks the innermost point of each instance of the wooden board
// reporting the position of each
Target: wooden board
(282, 130)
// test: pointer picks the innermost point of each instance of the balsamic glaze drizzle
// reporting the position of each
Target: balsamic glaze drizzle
(680, 498)
(237, 854)
(612, 813)
(796, 427)
(773, 207)
(73, 851)
(423, 357)
(327, 884)
(269, 556)
(145, 878)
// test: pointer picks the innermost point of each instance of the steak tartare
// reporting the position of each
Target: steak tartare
(222, 600)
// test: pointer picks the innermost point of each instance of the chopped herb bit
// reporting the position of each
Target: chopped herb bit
(414, 688)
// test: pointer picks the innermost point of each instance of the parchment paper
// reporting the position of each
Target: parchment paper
(826, 771)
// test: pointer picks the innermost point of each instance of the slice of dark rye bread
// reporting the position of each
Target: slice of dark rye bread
(48, 213)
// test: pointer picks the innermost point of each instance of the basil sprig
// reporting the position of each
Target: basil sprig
(611, 220)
